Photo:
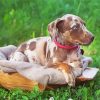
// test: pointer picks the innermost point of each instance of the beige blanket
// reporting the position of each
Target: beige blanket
(37, 72)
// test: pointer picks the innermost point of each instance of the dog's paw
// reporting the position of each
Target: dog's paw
(70, 78)
(68, 73)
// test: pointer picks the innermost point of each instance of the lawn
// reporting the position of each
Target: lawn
(21, 20)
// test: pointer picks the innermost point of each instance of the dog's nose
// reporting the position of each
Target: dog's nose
(92, 38)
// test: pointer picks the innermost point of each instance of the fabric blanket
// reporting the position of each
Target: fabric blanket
(25, 73)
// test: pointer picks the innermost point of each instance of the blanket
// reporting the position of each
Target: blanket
(25, 75)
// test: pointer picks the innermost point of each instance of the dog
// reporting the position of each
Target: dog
(61, 50)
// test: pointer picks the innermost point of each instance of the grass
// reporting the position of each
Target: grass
(22, 19)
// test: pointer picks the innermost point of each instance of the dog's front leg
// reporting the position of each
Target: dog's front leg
(67, 71)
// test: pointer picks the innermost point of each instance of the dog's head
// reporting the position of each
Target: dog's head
(71, 29)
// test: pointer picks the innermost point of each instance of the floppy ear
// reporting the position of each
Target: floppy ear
(52, 29)
(56, 27)
(60, 26)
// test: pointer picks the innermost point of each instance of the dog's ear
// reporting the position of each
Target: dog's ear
(63, 25)
(56, 27)
(60, 25)
(51, 28)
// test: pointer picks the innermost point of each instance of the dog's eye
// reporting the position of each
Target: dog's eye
(75, 27)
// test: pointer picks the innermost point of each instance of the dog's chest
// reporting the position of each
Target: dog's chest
(71, 57)
(47, 53)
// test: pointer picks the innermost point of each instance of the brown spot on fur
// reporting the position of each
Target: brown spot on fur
(50, 63)
(22, 47)
(48, 54)
(33, 59)
(70, 18)
(54, 49)
(26, 59)
(32, 45)
(45, 46)
(60, 54)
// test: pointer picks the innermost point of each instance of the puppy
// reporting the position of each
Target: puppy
(61, 49)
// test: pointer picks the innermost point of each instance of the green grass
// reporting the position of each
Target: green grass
(24, 19)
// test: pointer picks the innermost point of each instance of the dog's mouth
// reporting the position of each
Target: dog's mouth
(85, 42)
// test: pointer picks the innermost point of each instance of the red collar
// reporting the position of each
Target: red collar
(65, 46)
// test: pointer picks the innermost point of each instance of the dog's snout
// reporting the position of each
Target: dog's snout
(92, 38)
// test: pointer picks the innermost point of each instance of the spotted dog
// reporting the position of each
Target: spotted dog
(61, 50)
